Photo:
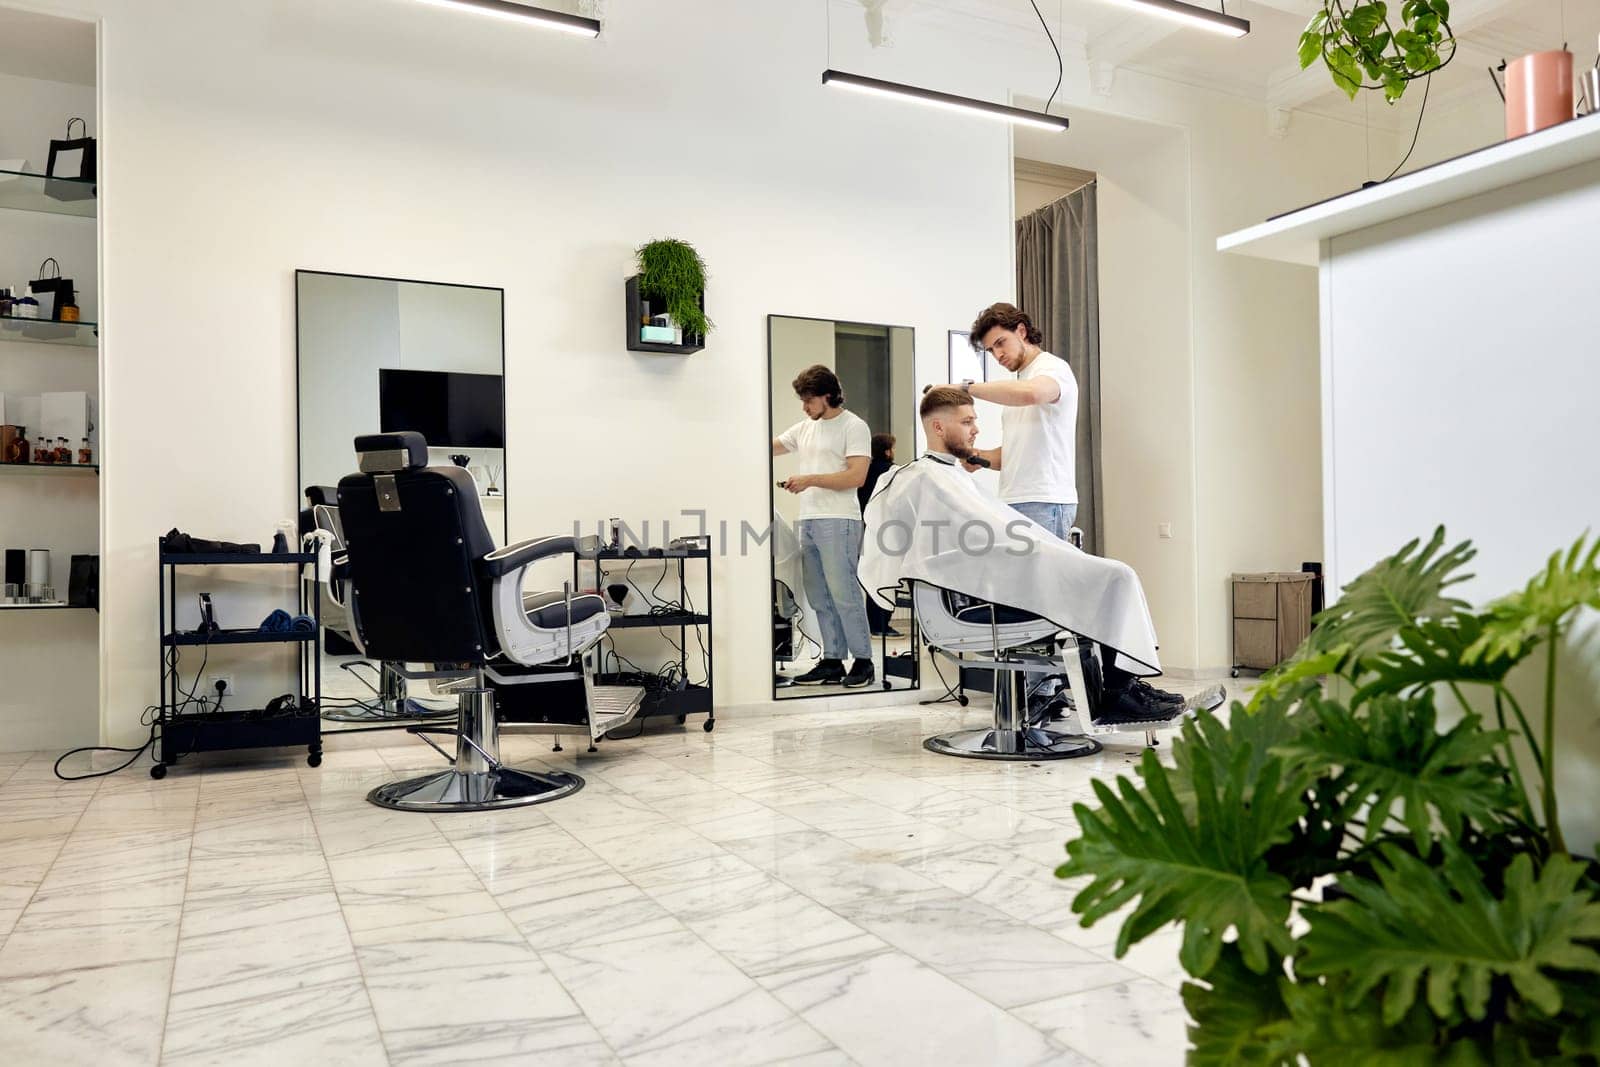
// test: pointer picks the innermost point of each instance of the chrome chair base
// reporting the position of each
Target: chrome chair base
(488, 790)
(1030, 743)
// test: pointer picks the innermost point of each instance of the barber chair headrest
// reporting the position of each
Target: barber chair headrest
(322, 495)
(384, 453)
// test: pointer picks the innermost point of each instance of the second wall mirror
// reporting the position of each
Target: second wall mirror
(384, 354)
(827, 636)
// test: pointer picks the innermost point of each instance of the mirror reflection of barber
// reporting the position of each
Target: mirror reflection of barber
(834, 451)
(1037, 457)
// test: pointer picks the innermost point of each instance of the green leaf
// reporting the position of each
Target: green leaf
(1377, 45)
(1331, 1034)
(1310, 48)
(1426, 24)
(1239, 1017)
(1454, 934)
(1440, 8)
(1363, 20)
(1514, 624)
(1203, 867)
(1394, 87)
(1290, 681)
(1394, 755)
(1432, 653)
(1346, 74)
(1406, 41)
(1392, 594)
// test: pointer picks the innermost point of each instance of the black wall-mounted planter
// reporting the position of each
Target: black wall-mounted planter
(640, 310)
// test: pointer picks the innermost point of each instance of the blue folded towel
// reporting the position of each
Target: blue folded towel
(281, 622)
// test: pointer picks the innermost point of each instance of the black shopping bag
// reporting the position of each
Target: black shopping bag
(74, 159)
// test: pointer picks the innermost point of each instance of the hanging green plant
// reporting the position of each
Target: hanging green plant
(1363, 49)
(673, 271)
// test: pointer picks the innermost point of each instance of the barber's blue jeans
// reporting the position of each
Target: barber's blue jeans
(1057, 518)
(829, 551)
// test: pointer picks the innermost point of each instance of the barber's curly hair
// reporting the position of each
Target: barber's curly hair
(1007, 317)
(817, 380)
(945, 396)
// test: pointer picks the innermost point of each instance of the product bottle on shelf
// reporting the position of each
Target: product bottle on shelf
(5, 303)
(85, 456)
(63, 451)
(17, 450)
(43, 452)
(25, 308)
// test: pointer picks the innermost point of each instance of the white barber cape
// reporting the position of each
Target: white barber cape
(930, 522)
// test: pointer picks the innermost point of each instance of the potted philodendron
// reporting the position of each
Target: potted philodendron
(672, 275)
(1365, 47)
(1363, 875)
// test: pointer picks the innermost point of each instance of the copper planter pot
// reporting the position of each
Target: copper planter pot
(1538, 92)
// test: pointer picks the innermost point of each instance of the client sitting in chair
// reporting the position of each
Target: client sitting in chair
(928, 522)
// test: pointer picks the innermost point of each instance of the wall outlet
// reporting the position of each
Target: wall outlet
(1164, 531)
(224, 680)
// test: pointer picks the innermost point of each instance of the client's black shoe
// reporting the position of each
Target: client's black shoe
(888, 631)
(1149, 692)
(860, 674)
(1128, 704)
(826, 672)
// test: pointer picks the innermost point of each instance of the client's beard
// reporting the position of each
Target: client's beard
(957, 447)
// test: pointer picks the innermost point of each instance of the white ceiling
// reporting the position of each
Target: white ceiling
(1263, 65)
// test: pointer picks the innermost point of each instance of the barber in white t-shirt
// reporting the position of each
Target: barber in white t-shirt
(834, 448)
(1037, 457)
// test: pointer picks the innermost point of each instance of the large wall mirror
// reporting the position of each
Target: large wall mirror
(384, 354)
(827, 638)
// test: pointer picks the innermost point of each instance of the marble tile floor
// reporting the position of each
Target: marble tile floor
(802, 886)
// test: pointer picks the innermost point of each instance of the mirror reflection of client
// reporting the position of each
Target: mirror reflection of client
(834, 449)
(930, 522)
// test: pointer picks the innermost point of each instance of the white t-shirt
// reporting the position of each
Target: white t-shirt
(821, 446)
(1038, 442)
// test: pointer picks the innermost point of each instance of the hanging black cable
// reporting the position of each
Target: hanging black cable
(1425, 87)
(1060, 69)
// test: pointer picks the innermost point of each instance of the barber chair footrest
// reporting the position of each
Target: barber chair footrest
(1028, 744)
(455, 790)
(614, 707)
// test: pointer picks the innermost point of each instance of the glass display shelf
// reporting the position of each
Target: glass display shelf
(47, 332)
(58, 606)
(53, 196)
(49, 468)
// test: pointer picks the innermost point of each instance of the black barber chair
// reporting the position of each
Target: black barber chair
(428, 587)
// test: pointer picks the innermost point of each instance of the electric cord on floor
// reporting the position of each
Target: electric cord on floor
(949, 690)
(151, 717)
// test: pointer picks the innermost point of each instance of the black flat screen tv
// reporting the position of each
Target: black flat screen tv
(451, 410)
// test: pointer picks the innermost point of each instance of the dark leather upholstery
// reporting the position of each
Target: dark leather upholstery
(549, 610)
(418, 587)
(970, 609)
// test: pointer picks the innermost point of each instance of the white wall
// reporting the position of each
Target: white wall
(1476, 410)
(391, 138)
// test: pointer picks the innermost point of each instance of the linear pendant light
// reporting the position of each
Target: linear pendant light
(948, 101)
(535, 16)
(1200, 18)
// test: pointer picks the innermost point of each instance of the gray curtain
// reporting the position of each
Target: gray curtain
(1058, 286)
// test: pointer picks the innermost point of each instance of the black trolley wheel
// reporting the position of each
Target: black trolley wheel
(159, 771)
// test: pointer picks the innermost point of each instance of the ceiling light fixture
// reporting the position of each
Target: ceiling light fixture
(536, 16)
(947, 101)
(1201, 18)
